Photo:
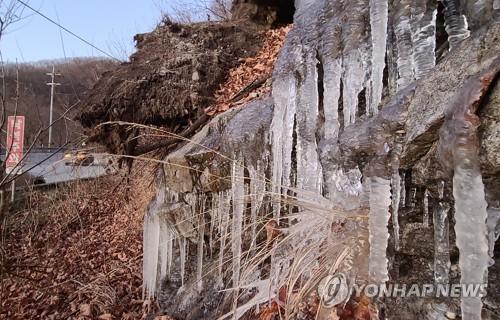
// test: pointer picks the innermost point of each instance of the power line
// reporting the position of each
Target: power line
(67, 30)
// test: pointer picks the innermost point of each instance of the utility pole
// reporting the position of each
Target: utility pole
(52, 85)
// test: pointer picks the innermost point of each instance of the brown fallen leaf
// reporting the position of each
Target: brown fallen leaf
(269, 312)
(85, 310)
(272, 231)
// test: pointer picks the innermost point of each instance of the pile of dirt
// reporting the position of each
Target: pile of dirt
(168, 82)
(77, 252)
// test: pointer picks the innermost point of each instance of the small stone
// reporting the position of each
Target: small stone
(163, 71)
(451, 315)
(196, 76)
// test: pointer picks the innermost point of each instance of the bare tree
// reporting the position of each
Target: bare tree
(11, 11)
(189, 11)
(220, 9)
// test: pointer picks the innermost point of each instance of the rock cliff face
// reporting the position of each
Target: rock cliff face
(264, 12)
(376, 157)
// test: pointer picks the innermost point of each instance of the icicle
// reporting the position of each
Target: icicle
(183, 249)
(378, 20)
(470, 228)
(353, 79)
(356, 57)
(151, 251)
(392, 58)
(441, 239)
(309, 170)
(402, 30)
(169, 249)
(201, 242)
(284, 94)
(214, 222)
(165, 250)
(403, 190)
(396, 192)
(441, 190)
(238, 191)
(257, 192)
(151, 239)
(333, 72)
(423, 25)
(224, 208)
(425, 219)
(380, 200)
(456, 23)
(396, 184)
(493, 230)
(459, 154)
(413, 197)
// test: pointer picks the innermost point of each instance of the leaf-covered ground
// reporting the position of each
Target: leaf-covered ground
(76, 252)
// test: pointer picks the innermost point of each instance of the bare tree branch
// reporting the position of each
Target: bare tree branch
(11, 12)
(195, 10)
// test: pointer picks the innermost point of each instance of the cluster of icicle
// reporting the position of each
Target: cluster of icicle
(329, 39)
(352, 61)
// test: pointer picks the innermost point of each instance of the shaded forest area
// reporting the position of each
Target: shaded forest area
(77, 76)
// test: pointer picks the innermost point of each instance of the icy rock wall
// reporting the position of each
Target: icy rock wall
(328, 82)
(348, 42)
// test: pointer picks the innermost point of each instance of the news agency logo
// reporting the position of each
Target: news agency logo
(334, 290)
(337, 289)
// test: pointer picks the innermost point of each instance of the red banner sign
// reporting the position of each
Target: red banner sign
(15, 142)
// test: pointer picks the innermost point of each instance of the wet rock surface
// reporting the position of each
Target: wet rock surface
(204, 165)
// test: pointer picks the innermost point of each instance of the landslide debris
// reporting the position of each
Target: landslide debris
(168, 82)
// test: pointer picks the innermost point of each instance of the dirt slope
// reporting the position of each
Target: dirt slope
(169, 81)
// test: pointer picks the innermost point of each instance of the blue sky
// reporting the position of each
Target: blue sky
(108, 24)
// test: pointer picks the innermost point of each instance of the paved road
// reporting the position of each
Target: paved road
(54, 170)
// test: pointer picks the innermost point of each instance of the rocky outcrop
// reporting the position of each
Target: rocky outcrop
(204, 164)
(264, 12)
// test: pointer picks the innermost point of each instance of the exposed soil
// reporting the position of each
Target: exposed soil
(169, 81)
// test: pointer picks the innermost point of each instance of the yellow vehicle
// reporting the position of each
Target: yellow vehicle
(78, 158)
